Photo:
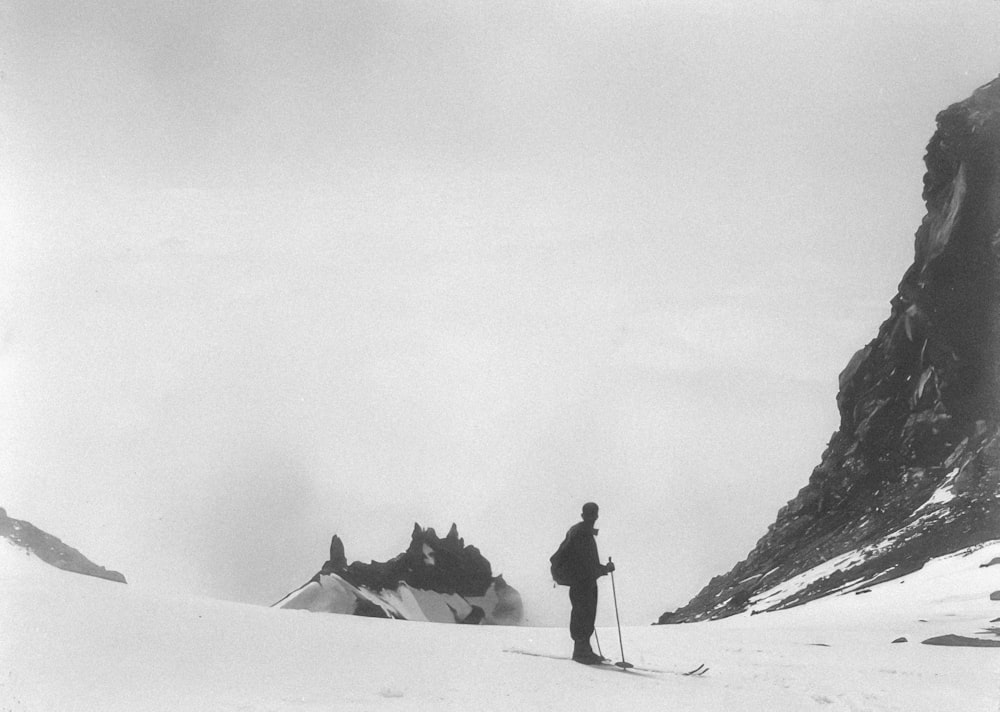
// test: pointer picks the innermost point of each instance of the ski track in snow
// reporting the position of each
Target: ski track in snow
(71, 642)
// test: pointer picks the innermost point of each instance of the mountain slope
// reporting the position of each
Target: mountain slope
(50, 549)
(914, 470)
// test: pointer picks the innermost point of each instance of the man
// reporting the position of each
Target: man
(578, 565)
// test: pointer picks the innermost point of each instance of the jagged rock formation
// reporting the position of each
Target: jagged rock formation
(51, 549)
(914, 470)
(439, 580)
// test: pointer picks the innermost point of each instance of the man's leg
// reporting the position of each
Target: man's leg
(583, 598)
(592, 617)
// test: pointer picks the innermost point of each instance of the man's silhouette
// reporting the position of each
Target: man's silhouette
(581, 566)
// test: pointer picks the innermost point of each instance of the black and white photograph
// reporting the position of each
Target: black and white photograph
(470, 356)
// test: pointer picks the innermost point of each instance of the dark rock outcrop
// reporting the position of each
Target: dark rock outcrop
(962, 641)
(50, 549)
(914, 470)
(435, 579)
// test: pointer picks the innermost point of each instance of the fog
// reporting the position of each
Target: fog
(275, 272)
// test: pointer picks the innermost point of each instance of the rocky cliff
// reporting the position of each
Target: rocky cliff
(914, 470)
(50, 549)
(435, 579)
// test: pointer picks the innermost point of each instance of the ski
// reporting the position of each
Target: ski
(696, 672)
(609, 665)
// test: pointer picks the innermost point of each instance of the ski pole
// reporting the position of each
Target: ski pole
(598, 641)
(623, 665)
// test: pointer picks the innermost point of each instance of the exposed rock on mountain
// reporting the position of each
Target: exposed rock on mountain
(913, 472)
(439, 580)
(50, 549)
(962, 641)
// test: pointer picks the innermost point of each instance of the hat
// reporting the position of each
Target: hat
(589, 511)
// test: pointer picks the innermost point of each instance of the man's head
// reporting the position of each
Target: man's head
(589, 513)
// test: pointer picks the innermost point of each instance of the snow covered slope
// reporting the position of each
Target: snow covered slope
(50, 549)
(73, 642)
(331, 593)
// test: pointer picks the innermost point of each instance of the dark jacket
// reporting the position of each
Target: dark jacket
(578, 555)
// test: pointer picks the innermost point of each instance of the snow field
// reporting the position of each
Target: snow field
(70, 642)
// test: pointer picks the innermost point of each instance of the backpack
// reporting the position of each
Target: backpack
(560, 565)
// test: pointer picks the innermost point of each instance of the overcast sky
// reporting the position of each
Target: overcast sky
(277, 271)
